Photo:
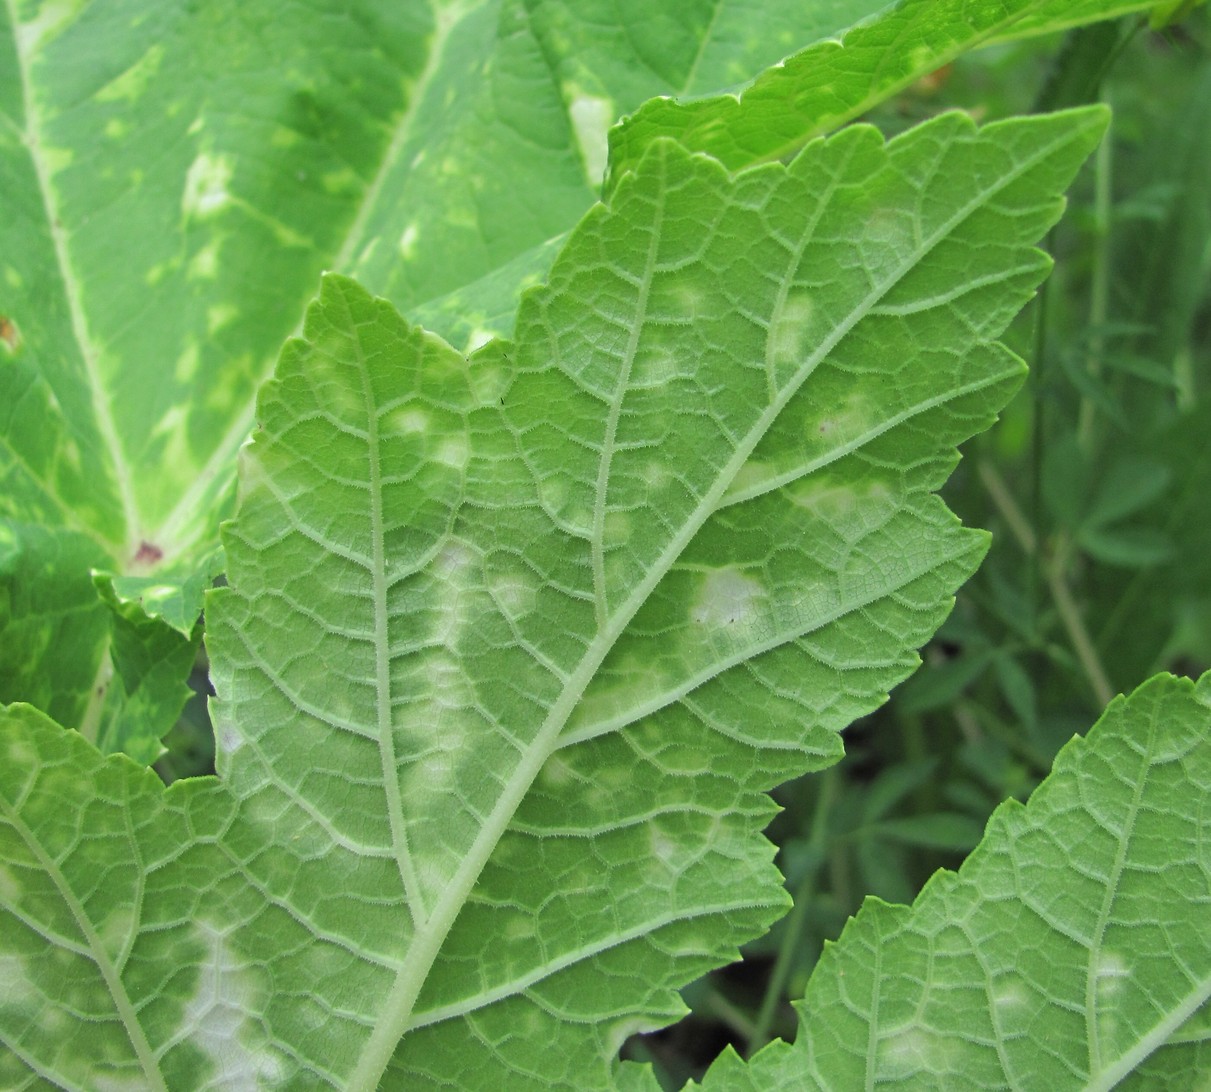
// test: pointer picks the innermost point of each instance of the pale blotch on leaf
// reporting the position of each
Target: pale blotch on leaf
(69, 454)
(57, 159)
(450, 623)
(633, 675)
(453, 559)
(519, 928)
(823, 497)
(578, 521)
(690, 302)
(172, 432)
(788, 336)
(653, 368)
(132, 84)
(478, 338)
(219, 1019)
(186, 366)
(726, 597)
(553, 493)
(516, 594)
(10, 887)
(752, 479)
(158, 593)
(115, 929)
(158, 272)
(206, 185)
(556, 773)
(407, 419)
(253, 477)
(407, 241)
(19, 988)
(664, 848)
(1110, 970)
(488, 384)
(453, 453)
(592, 116)
(51, 16)
(283, 137)
(340, 181)
(656, 475)
(906, 1053)
(840, 425)
(619, 570)
(888, 239)
(220, 315)
(229, 740)
(618, 528)
(340, 397)
(205, 263)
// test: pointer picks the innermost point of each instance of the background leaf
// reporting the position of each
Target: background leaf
(1070, 950)
(172, 183)
(838, 80)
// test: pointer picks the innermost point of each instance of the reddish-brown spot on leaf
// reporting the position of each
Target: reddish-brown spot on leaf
(8, 334)
(148, 554)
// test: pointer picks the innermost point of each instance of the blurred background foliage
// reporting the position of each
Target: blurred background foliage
(1096, 485)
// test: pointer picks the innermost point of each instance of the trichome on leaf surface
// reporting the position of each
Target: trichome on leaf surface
(516, 638)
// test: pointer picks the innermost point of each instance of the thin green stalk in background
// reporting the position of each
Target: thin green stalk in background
(1057, 582)
(830, 787)
(1099, 291)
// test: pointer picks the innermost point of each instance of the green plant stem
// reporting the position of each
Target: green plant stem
(1099, 292)
(1003, 500)
(732, 1015)
(967, 722)
(1038, 424)
(830, 785)
(1074, 626)
(1057, 582)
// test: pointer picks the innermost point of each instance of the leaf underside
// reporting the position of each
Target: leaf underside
(167, 203)
(1069, 952)
(514, 645)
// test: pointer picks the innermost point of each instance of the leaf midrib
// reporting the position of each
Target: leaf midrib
(413, 893)
(446, 19)
(126, 1010)
(89, 356)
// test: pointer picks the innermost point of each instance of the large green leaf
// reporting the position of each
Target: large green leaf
(174, 177)
(1070, 951)
(513, 646)
(834, 81)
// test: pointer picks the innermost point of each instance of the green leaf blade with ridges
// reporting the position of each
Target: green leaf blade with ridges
(837, 80)
(169, 201)
(450, 839)
(1070, 950)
